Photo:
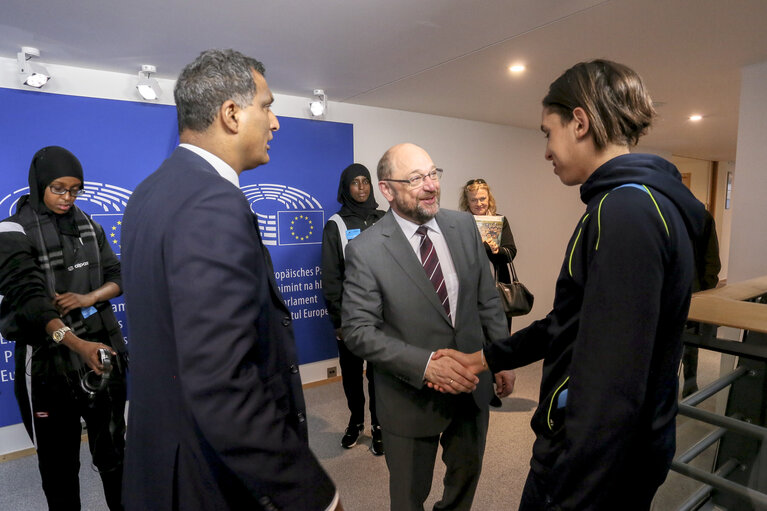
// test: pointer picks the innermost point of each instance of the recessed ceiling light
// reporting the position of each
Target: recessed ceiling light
(696, 117)
(517, 68)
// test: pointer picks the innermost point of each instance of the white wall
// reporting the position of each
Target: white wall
(700, 176)
(723, 217)
(748, 245)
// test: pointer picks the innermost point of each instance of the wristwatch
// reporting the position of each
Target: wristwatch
(59, 334)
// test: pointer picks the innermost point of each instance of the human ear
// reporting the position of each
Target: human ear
(581, 120)
(385, 191)
(229, 113)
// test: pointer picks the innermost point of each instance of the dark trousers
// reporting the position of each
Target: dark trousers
(53, 424)
(633, 491)
(411, 462)
(351, 371)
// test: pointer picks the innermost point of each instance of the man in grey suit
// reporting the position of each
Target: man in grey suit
(418, 280)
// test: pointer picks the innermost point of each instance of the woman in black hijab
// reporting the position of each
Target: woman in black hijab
(359, 211)
(57, 274)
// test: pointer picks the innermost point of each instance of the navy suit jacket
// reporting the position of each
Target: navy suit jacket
(217, 417)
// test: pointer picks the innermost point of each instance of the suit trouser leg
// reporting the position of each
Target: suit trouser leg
(372, 395)
(351, 372)
(463, 447)
(411, 462)
(411, 468)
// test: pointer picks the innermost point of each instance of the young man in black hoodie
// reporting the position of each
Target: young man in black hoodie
(605, 423)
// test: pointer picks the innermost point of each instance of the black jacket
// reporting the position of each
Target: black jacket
(25, 301)
(613, 338)
(333, 266)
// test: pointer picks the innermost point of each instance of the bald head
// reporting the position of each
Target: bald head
(415, 201)
(396, 156)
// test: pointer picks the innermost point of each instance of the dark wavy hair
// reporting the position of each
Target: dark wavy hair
(613, 96)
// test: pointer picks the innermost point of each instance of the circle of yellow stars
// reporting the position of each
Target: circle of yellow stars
(112, 234)
(293, 226)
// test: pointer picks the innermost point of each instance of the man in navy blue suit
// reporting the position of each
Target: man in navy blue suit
(217, 417)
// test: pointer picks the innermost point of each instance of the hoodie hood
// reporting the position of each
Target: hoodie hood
(655, 172)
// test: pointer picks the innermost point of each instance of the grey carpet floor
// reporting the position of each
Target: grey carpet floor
(362, 478)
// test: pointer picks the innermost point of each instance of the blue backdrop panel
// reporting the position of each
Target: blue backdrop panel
(120, 142)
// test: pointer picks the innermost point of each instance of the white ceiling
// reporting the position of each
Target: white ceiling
(444, 57)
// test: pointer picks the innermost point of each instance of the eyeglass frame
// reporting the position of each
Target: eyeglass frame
(435, 175)
(73, 192)
(478, 181)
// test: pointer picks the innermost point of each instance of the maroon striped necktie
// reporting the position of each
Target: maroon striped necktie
(431, 265)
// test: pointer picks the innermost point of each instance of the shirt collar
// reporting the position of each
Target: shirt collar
(220, 166)
(408, 227)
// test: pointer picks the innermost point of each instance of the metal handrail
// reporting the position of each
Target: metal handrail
(731, 423)
(715, 386)
(703, 493)
(721, 483)
(703, 444)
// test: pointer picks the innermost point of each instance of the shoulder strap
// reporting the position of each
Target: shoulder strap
(336, 218)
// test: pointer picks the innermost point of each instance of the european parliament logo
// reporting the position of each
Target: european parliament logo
(105, 203)
(286, 215)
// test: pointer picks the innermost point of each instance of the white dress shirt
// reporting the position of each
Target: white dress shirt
(443, 253)
(223, 168)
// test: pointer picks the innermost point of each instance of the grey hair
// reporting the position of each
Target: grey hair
(385, 165)
(213, 78)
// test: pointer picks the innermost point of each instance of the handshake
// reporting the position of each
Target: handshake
(453, 372)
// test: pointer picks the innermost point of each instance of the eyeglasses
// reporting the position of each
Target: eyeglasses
(416, 181)
(478, 181)
(74, 191)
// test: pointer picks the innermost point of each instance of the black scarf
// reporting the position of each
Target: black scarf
(349, 205)
(48, 164)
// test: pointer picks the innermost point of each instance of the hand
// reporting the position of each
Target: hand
(89, 352)
(504, 383)
(67, 302)
(339, 334)
(474, 362)
(446, 375)
(493, 246)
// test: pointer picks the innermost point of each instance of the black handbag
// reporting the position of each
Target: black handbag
(516, 299)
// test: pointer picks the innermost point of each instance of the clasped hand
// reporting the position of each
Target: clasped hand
(453, 372)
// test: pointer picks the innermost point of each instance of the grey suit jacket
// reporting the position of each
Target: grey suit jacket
(391, 316)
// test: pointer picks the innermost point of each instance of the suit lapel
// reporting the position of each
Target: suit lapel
(455, 245)
(402, 253)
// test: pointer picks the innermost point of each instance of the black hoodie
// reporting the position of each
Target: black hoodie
(612, 343)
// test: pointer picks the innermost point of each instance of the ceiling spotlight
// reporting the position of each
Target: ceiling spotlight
(148, 87)
(319, 106)
(696, 117)
(517, 68)
(32, 73)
